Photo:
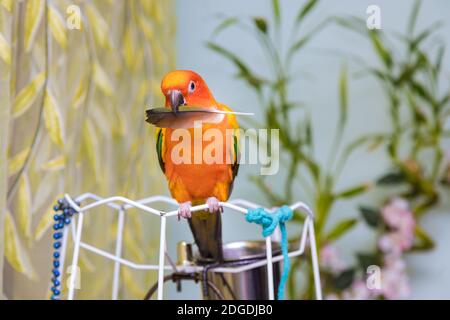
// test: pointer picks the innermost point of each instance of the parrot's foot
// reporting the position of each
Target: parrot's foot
(213, 205)
(185, 210)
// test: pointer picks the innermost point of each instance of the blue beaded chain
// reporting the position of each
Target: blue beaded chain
(61, 219)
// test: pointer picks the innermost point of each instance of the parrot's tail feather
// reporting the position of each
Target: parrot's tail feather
(206, 228)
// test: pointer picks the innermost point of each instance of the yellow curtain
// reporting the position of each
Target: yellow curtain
(75, 80)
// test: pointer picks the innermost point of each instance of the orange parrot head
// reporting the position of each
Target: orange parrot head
(185, 87)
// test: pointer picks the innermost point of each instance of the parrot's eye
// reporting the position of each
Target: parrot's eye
(191, 86)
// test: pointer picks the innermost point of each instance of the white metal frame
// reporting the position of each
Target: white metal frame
(122, 204)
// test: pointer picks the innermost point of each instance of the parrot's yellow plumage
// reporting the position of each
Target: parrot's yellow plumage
(197, 183)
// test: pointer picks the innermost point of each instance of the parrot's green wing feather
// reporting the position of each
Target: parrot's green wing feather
(159, 148)
(237, 155)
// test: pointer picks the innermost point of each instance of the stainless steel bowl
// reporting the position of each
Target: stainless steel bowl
(247, 285)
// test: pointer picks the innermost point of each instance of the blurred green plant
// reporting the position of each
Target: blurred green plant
(414, 84)
(304, 172)
(411, 77)
(410, 73)
(71, 106)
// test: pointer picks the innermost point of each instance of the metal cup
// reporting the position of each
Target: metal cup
(247, 285)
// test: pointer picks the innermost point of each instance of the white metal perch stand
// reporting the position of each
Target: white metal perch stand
(122, 204)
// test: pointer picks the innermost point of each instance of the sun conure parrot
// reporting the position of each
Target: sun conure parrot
(190, 183)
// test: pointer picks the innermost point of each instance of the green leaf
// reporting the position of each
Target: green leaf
(414, 44)
(413, 17)
(381, 50)
(308, 130)
(374, 139)
(368, 259)
(366, 139)
(343, 96)
(444, 100)
(410, 70)
(228, 22)
(261, 24)
(376, 142)
(313, 167)
(305, 10)
(381, 75)
(302, 41)
(425, 242)
(276, 11)
(439, 59)
(418, 115)
(344, 279)
(353, 23)
(422, 91)
(371, 216)
(244, 71)
(341, 228)
(353, 191)
(297, 45)
(392, 178)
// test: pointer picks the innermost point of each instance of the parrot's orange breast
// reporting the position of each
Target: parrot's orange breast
(197, 179)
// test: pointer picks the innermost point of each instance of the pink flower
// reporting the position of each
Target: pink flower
(394, 262)
(399, 217)
(330, 260)
(357, 291)
(394, 280)
(395, 242)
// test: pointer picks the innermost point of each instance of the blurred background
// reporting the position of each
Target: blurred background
(362, 117)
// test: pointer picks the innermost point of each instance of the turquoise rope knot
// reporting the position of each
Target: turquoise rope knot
(269, 222)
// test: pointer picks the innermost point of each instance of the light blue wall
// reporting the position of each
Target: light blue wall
(319, 67)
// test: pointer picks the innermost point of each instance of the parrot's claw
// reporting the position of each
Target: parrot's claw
(213, 205)
(185, 210)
